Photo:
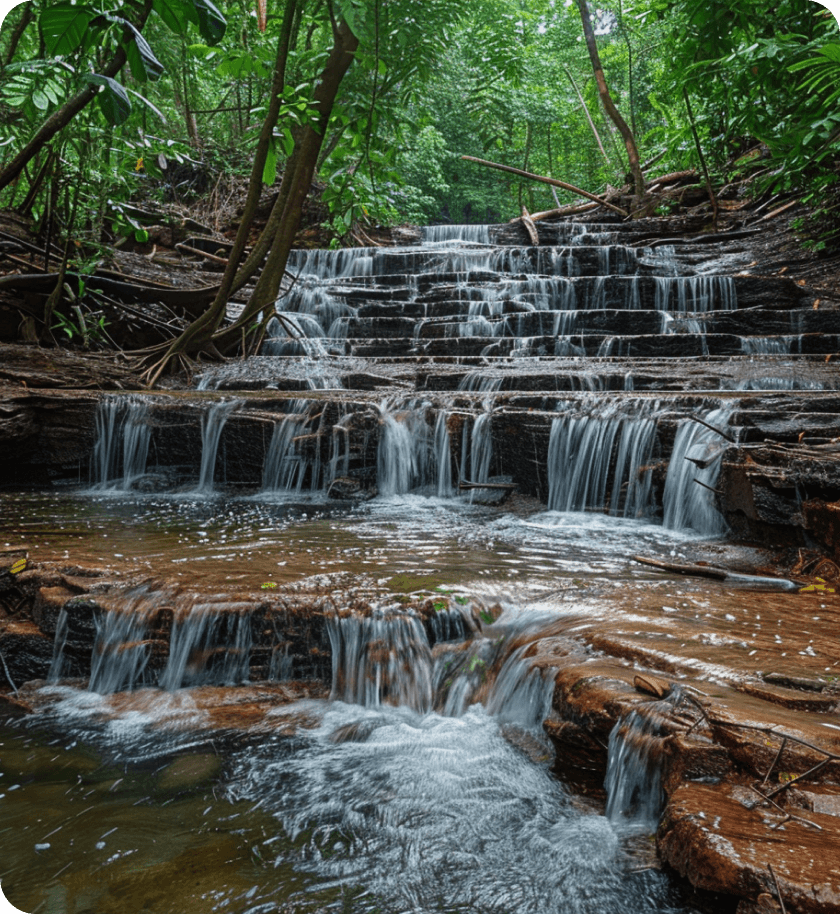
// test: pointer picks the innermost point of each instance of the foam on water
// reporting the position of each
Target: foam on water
(436, 814)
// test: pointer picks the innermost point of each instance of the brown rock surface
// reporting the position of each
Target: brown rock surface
(717, 843)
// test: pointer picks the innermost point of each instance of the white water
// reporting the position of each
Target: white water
(123, 434)
(603, 448)
(213, 421)
(686, 503)
(633, 781)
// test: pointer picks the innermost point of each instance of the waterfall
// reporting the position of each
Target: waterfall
(439, 234)
(582, 466)
(633, 780)
(208, 646)
(213, 422)
(684, 294)
(521, 694)
(381, 659)
(481, 450)
(406, 453)
(59, 643)
(443, 456)
(123, 434)
(120, 651)
(105, 457)
(285, 467)
(695, 459)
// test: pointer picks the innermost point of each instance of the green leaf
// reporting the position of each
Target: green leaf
(270, 167)
(177, 14)
(64, 26)
(211, 23)
(112, 98)
(144, 65)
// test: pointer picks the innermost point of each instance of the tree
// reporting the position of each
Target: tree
(79, 30)
(609, 105)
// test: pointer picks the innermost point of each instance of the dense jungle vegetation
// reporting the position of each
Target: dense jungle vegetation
(105, 104)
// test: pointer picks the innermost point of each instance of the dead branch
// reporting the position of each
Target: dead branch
(543, 180)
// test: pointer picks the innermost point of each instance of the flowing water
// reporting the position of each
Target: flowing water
(210, 757)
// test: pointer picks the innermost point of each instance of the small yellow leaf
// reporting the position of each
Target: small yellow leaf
(18, 566)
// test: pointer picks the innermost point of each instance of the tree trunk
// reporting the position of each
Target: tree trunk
(609, 106)
(592, 126)
(280, 230)
(61, 118)
(301, 170)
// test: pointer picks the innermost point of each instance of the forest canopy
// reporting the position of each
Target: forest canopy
(506, 80)
(382, 107)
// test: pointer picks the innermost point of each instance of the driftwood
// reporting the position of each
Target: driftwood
(507, 486)
(530, 228)
(699, 571)
(543, 180)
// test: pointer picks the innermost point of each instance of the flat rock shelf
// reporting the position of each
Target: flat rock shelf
(357, 624)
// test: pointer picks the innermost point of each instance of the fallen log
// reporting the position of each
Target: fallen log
(507, 486)
(698, 571)
(193, 301)
(543, 180)
(530, 228)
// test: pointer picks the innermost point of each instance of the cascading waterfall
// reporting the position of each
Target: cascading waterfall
(120, 652)
(688, 497)
(285, 468)
(213, 422)
(440, 234)
(633, 781)
(604, 449)
(381, 659)
(406, 453)
(208, 646)
(443, 456)
(123, 434)
(697, 294)
(59, 644)
(521, 694)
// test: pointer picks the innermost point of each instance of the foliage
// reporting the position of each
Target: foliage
(502, 79)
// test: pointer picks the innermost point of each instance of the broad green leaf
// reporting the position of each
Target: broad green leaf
(148, 104)
(112, 98)
(177, 14)
(64, 27)
(144, 65)
(211, 22)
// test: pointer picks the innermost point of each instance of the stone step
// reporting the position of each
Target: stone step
(676, 294)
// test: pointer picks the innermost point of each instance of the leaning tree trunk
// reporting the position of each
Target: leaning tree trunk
(609, 105)
(62, 117)
(17, 33)
(301, 169)
(283, 222)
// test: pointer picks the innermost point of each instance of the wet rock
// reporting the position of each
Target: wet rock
(49, 601)
(26, 652)
(692, 759)
(719, 845)
(349, 489)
